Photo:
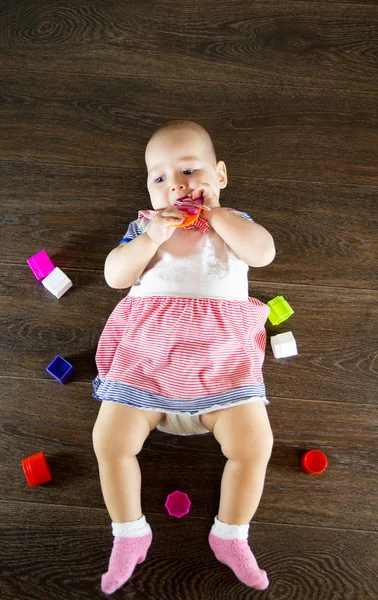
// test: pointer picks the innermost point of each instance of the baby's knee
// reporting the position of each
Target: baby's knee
(250, 447)
(116, 444)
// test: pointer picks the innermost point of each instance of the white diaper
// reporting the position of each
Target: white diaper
(182, 423)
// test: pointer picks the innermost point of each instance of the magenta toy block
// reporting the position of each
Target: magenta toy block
(40, 264)
(177, 504)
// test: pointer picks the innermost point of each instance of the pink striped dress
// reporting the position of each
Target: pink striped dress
(187, 337)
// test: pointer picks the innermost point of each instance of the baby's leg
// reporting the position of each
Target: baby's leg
(246, 439)
(118, 436)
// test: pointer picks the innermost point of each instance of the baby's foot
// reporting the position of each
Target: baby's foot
(126, 554)
(237, 555)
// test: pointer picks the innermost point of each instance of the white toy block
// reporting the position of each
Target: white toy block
(57, 282)
(283, 345)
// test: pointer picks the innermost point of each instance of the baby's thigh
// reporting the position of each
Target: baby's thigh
(242, 431)
(121, 430)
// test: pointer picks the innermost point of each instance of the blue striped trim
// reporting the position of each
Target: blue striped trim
(132, 232)
(245, 215)
(115, 391)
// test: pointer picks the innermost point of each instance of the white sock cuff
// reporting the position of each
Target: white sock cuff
(137, 528)
(229, 532)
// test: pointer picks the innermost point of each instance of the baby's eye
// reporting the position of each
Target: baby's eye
(190, 171)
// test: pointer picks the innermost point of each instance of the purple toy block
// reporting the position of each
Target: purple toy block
(177, 504)
(60, 369)
(40, 264)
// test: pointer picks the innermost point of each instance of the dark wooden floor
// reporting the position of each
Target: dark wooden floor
(289, 93)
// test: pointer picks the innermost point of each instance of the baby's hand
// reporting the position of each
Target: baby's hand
(163, 224)
(210, 199)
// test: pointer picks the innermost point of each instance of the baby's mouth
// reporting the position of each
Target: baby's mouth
(188, 199)
(189, 205)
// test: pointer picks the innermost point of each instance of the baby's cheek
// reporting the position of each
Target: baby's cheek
(158, 204)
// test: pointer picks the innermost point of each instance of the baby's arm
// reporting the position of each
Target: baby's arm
(249, 241)
(126, 263)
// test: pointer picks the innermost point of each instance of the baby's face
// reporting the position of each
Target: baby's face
(177, 162)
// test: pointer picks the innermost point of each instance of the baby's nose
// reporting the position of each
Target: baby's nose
(177, 186)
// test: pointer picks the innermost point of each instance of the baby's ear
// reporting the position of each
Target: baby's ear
(222, 174)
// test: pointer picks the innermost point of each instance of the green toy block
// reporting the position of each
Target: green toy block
(280, 310)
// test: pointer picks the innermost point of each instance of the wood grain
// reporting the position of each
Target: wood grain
(43, 415)
(336, 333)
(60, 553)
(323, 45)
(289, 93)
(267, 132)
(80, 213)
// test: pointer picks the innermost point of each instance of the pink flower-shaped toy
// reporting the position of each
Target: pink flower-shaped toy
(178, 504)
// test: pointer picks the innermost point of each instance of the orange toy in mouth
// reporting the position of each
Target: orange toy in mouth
(190, 206)
(189, 220)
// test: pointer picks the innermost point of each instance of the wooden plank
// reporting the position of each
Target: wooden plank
(59, 552)
(300, 44)
(42, 415)
(328, 232)
(337, 337)
(336, 334)
(83, 88)
(270, 132)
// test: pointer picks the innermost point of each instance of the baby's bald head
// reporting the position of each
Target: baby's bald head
(180, 127)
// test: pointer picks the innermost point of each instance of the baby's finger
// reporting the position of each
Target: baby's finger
(204, 189)
(169, 221)
(197, 193)
(171, 211)
(171, 216)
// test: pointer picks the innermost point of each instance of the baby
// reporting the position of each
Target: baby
(183, 351)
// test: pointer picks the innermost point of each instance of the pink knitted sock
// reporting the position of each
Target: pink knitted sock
(236, 554)
(127, 552)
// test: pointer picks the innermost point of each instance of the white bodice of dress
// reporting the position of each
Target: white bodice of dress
(196, 265)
